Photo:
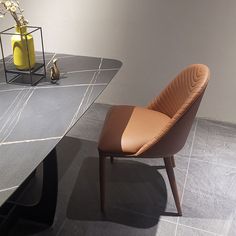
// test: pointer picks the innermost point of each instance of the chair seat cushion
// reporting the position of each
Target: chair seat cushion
(127, 128)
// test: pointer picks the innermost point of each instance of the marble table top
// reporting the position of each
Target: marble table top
(33, 119)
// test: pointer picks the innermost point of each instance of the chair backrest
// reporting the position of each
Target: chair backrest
(182, 91)
(180, 101)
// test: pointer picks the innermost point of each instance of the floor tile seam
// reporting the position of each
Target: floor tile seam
(187, 226)
(214, 163)
(163, 220)
(199, 229)
(186, 175)
(192, 159)
(218, 123)
(219, 197)
(168, 221)
(189, 160)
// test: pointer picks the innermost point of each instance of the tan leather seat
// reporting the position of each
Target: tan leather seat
(160, 130)
(131, 128)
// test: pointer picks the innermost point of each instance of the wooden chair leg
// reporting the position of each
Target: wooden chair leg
(111, 159)
(171, 177)
(173, 161)
(102, 179)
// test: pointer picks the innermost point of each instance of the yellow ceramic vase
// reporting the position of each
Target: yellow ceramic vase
(19, 45)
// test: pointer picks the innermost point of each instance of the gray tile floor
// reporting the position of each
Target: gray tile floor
(139, 200)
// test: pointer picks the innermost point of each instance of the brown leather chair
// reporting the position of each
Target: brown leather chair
(158, 131)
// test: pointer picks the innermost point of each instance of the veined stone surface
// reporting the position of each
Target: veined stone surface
(33, 119)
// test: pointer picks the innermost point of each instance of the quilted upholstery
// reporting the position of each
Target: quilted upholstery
(182, 91)
(132, 130)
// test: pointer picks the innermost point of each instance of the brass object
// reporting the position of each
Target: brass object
(55, 72)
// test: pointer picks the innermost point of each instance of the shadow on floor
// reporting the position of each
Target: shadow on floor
(67, 151)
(136, 194)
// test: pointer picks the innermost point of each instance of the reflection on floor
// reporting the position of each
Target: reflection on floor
(139, 200)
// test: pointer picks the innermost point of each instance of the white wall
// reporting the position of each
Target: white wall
(154, 39)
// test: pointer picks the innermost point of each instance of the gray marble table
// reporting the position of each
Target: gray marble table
(33, 119)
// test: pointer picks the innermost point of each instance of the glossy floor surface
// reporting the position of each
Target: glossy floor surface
(139, 199)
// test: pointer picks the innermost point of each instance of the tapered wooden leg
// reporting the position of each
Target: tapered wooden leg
(173, 161)
(111, 159)
(171, 177)
(102, 175)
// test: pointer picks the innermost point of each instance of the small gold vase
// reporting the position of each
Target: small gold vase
(23, 59)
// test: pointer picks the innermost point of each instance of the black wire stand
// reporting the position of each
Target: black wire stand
(31, 76)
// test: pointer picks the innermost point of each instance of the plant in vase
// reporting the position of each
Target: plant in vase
(22, 43)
